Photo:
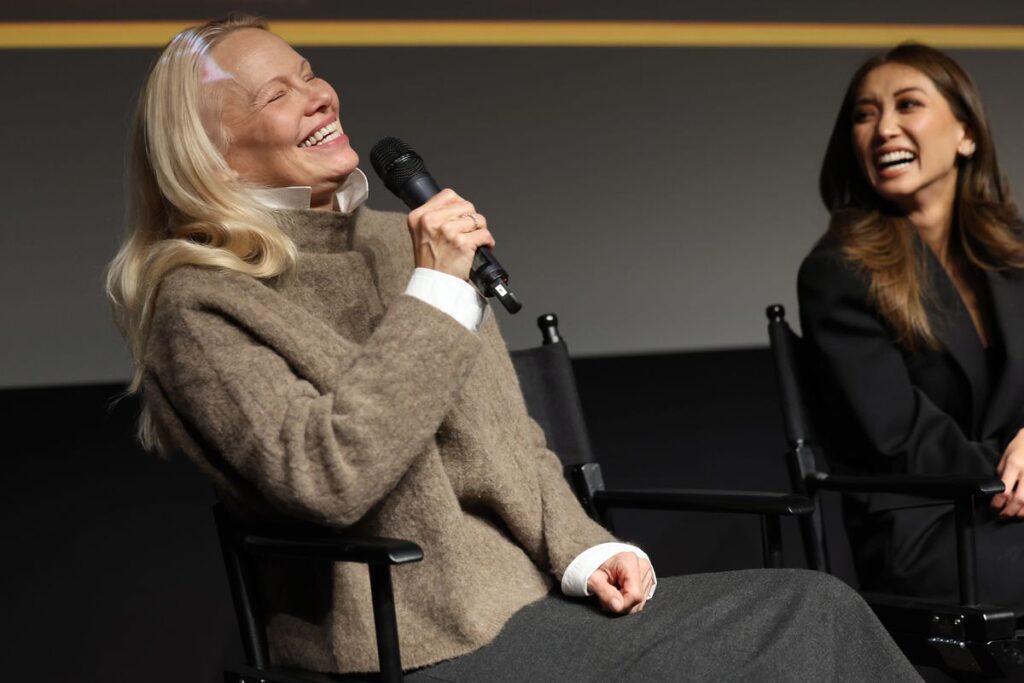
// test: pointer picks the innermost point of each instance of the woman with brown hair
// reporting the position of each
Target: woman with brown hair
(913, 302)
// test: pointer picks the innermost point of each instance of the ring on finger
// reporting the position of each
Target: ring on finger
(472, 217)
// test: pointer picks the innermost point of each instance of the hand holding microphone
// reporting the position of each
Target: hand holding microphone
(448, 234)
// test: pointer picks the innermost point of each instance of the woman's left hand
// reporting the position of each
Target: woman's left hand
(622, 583)
(1010, 503)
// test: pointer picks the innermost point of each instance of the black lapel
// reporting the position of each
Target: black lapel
(954, 328)
(1007, 288)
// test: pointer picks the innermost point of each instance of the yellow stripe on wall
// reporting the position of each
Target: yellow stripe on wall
(55, 35)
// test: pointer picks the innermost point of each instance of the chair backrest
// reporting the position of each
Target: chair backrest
(549, 387)
(791, 367)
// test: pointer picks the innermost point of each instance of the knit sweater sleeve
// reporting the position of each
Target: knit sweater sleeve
(231, 371)
(556, 529)
(567, 529)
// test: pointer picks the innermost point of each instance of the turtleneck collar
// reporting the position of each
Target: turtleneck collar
(352, 194)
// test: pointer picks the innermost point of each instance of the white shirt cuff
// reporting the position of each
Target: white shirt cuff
(456, 297)
(574, 580)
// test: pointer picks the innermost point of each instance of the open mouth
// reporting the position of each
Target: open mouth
(891, 161)
(332, 131)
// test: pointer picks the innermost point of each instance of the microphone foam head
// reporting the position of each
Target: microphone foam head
(395, 162)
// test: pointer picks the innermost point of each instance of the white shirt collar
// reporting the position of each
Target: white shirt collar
(352, 194)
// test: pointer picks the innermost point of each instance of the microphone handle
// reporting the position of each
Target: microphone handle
(490, 278)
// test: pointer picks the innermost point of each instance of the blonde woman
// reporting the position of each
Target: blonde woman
(319, 365)
(914, 304)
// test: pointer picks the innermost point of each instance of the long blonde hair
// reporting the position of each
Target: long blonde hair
(876, 237)
(186, 205)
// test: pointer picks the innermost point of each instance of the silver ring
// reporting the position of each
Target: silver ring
(476, 226)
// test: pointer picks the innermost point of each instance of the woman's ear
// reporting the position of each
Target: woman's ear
(966, 147)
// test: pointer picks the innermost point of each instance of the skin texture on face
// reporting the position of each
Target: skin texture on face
(270, 107)
(907, 139)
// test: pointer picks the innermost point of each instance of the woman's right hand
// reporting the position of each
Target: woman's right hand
(446, 232)
(1010, 503)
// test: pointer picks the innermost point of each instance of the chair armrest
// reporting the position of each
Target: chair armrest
(704, 500)
(926, 486)
(366, 550)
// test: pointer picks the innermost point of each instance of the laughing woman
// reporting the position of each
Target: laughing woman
(318, 364)
(914, 303)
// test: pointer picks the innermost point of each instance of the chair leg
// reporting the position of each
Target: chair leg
(965, 550)
(771, 541)
(385, 624)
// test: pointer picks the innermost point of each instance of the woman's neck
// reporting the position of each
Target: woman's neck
(934, 223)
(930, 211)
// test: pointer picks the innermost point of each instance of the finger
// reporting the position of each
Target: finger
(643, 603)
(630, 585)
(1015, 500)
(447, 220)
(1013, 509)
(471, 241)
(1014, 452)
(648, 582)
(435, 203)
(607, 594)
(477, 239)
(468, 222)
(453, 226)
(1009, 477)
(441, 208)
(454, 209)
(444, 198)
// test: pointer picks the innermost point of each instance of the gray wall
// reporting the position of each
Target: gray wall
(656, 198)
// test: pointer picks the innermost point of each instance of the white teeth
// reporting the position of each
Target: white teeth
(327, 133)
(898, 155)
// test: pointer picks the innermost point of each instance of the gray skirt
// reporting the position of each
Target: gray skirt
(754, 625)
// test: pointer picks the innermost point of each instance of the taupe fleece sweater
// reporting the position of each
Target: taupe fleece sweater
(330, 396)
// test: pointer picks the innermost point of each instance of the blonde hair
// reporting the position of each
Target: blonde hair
(878, 239)
(187, 206)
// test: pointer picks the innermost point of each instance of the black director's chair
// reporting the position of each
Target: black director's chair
(966, 639)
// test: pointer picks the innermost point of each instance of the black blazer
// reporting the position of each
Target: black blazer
(881, 408)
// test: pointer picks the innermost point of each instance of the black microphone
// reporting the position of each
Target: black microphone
(405, 174)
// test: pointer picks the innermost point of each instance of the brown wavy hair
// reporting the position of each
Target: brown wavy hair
(875, 236)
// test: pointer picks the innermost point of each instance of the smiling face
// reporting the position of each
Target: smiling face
(906, 137)
(279, 122)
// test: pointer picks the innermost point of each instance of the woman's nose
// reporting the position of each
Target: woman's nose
(888, 126)
(318, 96)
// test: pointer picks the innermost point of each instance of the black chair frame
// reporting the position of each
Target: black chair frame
(241, 544)
(967, 638)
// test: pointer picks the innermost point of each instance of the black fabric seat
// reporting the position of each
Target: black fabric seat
(966, 639)
(549, 387)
